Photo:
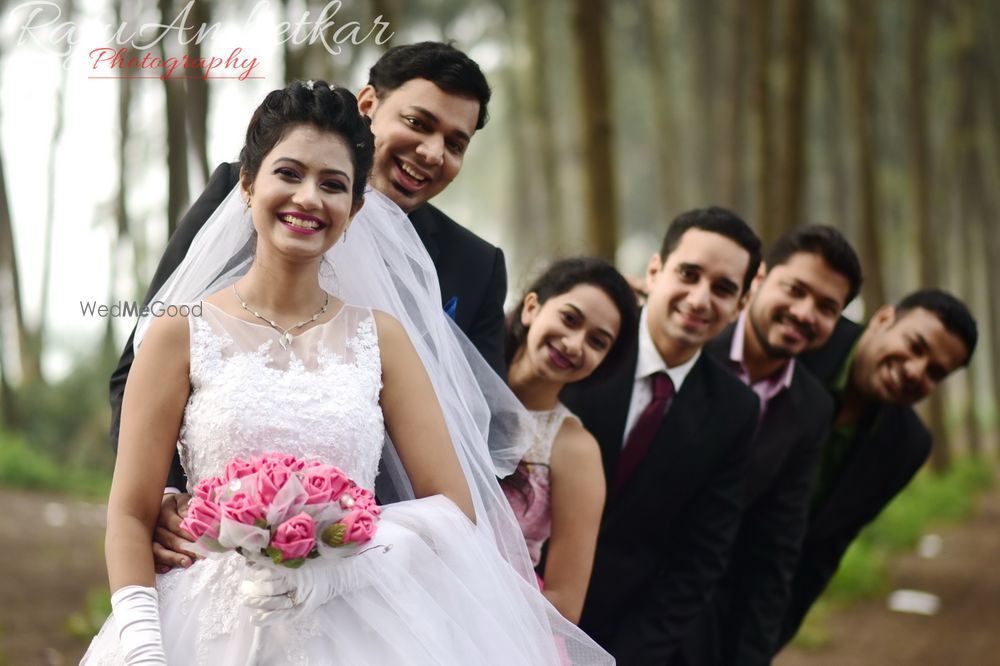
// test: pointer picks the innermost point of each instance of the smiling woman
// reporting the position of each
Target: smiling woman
(577, 318)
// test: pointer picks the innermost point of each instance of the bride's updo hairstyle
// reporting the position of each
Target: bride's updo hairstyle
(561, 277)
(316, 104)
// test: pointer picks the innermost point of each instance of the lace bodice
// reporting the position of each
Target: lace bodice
(528, 490)
(316, 399)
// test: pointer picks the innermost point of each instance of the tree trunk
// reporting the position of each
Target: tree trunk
(704, 15)
(177, 141)
(526, 201)
(198, 94)
(540, 109)
(990, 65)
(653, 23)
(731, 191)
(797, 52)
(599, 170)
(861, 46)
(760, 31)
(971, 200)
(921, 189)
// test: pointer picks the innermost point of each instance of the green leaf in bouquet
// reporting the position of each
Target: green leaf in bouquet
(212, 544)
(274, 554)
(294, 563)
(333, 535)
(261, 523)
(313, 554)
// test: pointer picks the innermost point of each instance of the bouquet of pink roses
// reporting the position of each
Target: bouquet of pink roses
(281, 508)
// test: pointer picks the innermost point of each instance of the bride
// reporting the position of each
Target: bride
(290, 354)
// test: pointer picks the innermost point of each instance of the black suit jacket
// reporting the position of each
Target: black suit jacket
(743, 622)
(665, 539)
(891, 446)
(471, 273)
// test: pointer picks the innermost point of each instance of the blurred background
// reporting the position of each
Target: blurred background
(879, 117)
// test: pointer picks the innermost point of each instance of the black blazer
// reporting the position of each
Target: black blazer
(471, 272)
(743, 621)
(665, 539)
(891, 446)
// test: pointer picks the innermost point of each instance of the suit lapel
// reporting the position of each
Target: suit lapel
(615, 400)
(427, 227)
(677, 437)
(782, 428)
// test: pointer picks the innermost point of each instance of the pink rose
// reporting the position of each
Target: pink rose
(296, 537)
(359, 526)
(323, 483)
(364, 499)
(289, 461)
(202, 518)
(243, 508)
(205, 488)
(270, 478)
(238, 468)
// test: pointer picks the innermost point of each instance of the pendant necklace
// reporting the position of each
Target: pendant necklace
(286, 333)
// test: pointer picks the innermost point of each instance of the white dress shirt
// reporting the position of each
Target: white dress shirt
(650, 362)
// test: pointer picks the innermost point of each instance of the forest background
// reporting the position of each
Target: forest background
(879, 117)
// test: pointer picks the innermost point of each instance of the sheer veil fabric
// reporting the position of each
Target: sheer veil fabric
(383, 265)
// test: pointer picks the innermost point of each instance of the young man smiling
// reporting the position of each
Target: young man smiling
(810, 274)
(875, 373)
(673, 427)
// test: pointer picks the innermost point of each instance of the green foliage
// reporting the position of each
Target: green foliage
(86, 622)
(931, 498)
(69, 420)
(25, 467)
(61, 438)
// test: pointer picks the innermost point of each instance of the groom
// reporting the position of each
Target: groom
(673, 427)
(425, 102)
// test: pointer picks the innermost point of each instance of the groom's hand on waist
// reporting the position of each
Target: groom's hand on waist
(171, 543)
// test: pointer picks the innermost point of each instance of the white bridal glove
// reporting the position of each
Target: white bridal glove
(137, 617)
(280, 594)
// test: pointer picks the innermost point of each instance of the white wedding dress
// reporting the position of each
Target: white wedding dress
(428, 589)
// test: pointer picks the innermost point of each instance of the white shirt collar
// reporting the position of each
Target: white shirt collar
(650, 360)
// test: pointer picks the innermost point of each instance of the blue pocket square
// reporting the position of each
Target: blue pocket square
(451, 307)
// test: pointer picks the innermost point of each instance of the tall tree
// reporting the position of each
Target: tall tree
(987, 34)
(971, 190)
(177, 140)
(921, 188)
(653, 24)
(862, 19)
(601, 218)
(197, 90)
(527, 233)
(797, 49)
(11, 306)
(760, 32)
(37, 336)
(704, 17)
(542, 114)
(731, 191)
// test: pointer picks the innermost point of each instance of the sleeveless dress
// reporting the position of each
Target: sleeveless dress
(530, 493)
(428, 589)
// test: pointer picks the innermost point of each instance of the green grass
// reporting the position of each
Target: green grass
(86, 622)
(23, 467)
(931, 499)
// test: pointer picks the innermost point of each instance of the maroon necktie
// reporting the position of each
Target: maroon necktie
(642, 433)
